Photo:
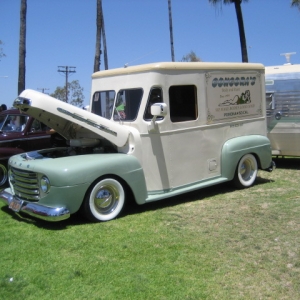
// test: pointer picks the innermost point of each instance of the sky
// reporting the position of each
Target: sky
(63, 33)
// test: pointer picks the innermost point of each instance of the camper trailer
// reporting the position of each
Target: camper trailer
(283, 108)
(152, 132)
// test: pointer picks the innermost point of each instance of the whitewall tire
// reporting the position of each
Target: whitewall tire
(246, 171)
(105, 200)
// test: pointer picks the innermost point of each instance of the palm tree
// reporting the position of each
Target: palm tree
(239, 15)
(100, 33)
(296, 3)
(22, 47)
(171, 30)
(104, 41)
(98, 37)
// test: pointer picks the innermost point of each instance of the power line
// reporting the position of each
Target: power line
(66, 70)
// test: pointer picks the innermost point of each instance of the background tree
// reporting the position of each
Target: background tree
(75, 93)
(191, 57)
(239, 15)
(22, 47)
(295, 3)
(1, 50)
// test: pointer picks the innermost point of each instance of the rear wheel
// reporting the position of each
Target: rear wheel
(105, 200)
(246, 171)
(3, 175)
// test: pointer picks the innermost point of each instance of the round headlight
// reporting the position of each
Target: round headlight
(45, 184)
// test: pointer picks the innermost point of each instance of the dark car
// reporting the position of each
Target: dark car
(21, 133)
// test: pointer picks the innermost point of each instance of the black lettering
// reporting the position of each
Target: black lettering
(215, 82)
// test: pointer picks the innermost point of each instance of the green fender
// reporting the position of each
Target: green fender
(234, 149)
(71, 176)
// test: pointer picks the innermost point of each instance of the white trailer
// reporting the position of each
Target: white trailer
(283, 109)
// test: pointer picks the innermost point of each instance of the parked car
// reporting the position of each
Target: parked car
(21, 133)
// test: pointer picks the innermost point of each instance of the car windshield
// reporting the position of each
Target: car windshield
(2, 119)
(13, 123)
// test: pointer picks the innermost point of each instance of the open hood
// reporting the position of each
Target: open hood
(70, 121)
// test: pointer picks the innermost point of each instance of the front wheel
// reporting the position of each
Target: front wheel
(3, 175)
(105, 200)
(246, 171)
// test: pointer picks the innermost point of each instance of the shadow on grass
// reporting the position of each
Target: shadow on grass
(75, 219)
(132, 208)
(292, 163)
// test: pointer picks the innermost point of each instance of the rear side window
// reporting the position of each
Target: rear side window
(183, 103)
(103, 103)
(128, 104)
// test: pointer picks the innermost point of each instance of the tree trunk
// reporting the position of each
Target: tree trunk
(239, 16)
(171, 30)
(22, 47)
(98, 37)
(104, 40)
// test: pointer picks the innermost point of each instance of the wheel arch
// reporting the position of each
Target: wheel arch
(129, 172)
(234, 149)
(127, 187)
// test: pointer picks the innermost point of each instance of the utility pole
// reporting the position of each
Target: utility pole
(42, 89)
(66, 70)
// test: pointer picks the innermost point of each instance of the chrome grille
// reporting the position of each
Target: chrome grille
(25, 184)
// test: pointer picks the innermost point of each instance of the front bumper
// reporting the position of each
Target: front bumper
(36, 210)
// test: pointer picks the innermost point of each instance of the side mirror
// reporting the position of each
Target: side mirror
(159, 109)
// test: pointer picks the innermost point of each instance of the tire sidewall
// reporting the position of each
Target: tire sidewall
(90, 209)
(239, 180)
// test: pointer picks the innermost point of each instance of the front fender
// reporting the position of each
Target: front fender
(83, 170)
(234, 149)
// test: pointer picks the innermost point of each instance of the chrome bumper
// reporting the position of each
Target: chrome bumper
(36, 210)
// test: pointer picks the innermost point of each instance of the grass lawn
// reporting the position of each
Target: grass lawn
(215, 243)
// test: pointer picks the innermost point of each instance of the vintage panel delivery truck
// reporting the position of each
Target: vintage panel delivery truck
(153, 131)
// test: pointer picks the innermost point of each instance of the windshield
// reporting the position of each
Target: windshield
(13, 123)
(2, 119)
(103, 103)
(125, 108)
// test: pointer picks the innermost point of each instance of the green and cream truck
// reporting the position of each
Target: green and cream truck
(152, 131)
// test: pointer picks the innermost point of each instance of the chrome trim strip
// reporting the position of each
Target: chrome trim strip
(47, 213)
(88, 122)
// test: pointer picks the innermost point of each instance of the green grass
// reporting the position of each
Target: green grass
(215, 243)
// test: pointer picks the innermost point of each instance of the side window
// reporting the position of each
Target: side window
(183, 103)
(128, 104)
(103, 103)
(155, 96)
